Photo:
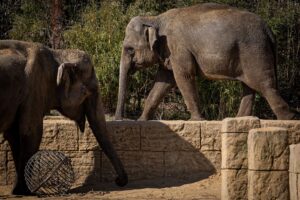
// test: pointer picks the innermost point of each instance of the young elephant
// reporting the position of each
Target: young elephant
(212, 40)
(35, 79)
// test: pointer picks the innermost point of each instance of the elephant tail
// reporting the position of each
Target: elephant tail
(273, 43)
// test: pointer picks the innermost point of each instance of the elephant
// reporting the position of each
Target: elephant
(210, 40)
(35, 79)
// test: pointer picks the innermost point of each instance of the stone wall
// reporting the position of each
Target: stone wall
(255, 158)
(294, 172)
(251, 154)
(148, 150)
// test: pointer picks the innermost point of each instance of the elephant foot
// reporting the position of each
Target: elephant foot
(197, 118)
(21, 189)
(122, 181)
(142, 119)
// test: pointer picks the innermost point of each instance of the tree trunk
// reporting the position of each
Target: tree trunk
(56, 23)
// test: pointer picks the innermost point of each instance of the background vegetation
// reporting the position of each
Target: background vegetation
(98, 28)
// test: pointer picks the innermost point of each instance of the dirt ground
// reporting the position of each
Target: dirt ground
(160, 189)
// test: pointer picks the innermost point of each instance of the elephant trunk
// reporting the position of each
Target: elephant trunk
(96, 119)
(124, 68)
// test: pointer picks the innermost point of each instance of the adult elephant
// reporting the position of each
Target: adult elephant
(212, 40)
(35, 79)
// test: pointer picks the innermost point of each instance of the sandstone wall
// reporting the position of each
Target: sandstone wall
(148, 150)
(254, 165)
(255, 159)
(294, 172)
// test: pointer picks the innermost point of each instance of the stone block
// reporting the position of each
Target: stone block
(87, 175)
(268, 185)
(126, 135)
(294, 136)
(4, 146)
(3, 167)
(234, 151)
(268, 149)
(152, 165)
(60, 135)
(10, 156)
(170, 135)
(138, 165)
(184, 164)
(234, 184)
(239, 124)
(293, 127)
(211, 135)
(87, 140)
(86, 166)
(10, 172)
(295, 158)
(84, 158)
(294, 185)
(214, 157)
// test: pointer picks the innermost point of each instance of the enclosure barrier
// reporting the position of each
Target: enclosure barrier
(255, 158)
(255, 154)
(148, 150)
(294, 175)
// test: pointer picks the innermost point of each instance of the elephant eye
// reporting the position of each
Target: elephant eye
(129, 50)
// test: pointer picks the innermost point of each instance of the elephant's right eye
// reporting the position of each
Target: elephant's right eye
(129, 50)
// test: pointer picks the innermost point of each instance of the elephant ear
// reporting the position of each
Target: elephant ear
(151, 35)
(63, 75)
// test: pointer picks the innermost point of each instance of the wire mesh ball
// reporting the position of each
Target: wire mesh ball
(49, 173)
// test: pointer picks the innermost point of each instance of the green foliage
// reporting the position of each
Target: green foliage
(98, 28)
(100, 32)
(32, 22)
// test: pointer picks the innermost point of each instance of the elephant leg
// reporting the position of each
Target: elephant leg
(29, 131)
(164, 82)
(184, 70)
(277, 104)
(267, 87)
(30, 142)
(12, 135)
(246, 105)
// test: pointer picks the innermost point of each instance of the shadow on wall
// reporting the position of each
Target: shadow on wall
(156, 154)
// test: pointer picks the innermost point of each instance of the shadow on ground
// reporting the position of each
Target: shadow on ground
(165, 159)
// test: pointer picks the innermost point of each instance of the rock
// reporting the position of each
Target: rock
(295, 159)
(183, 164)
(294, 183)
(234, 151)
(4, 146)
(268, 185)
(214, 157)
(87, 140)
(239, 124)
(126, 135)
(293, 127)
(268, 149)
(170, 135)
(211, 135)
(60, 135)
(138, 165)
(234, 184)
(3, 167)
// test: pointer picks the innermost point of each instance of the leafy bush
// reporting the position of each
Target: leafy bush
(98, 28)
(31, 22)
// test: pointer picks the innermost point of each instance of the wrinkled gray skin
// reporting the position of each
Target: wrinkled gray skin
(35, 79)
(211, 40)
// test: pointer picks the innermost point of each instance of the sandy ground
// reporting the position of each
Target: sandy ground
(160, 189)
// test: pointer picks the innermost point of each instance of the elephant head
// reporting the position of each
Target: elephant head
(139, 51)
(79, 98)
